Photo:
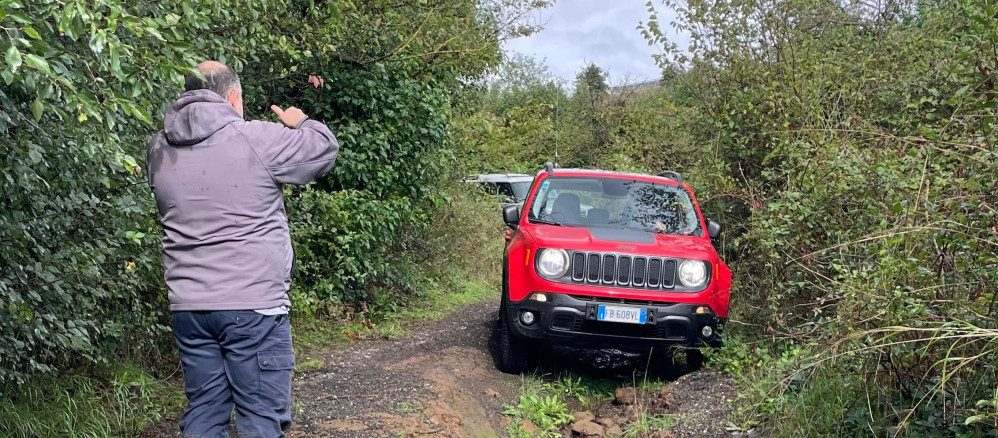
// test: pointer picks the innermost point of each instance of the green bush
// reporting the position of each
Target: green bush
(853, 147)
(84, 85)
(353, 229)
(80, 270)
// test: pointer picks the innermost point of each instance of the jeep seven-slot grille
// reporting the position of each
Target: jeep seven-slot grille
(592, 267)
(654, 273)
(609, 268)
(578, 266)
(624, 270)
(669, 278)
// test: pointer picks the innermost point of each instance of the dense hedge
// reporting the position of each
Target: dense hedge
(79, 277)
(84, 85)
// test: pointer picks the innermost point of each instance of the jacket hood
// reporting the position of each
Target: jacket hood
(195, 116)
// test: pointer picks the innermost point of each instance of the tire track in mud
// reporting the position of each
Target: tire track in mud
(438, 381)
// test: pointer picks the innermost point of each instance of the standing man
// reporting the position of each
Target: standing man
(227, 252)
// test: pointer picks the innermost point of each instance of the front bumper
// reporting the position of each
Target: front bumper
(571, 320)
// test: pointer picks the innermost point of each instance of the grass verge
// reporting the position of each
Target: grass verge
(314, 334)
(115, 402)
(546, 412)
(885, 382)
(547, 403)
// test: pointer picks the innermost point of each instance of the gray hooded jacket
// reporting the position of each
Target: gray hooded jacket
(217, 181)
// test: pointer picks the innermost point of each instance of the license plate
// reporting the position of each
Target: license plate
(632, 315)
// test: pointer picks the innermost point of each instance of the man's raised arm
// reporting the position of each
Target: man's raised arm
(297, 153)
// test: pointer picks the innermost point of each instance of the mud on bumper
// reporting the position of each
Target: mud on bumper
(571, 320)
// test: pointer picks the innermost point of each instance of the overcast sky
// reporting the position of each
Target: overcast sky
(604, 32)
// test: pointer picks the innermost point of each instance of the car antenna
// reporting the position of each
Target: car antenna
(556, 99)
(672, 175)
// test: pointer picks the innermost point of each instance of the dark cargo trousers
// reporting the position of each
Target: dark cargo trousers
(240, 358)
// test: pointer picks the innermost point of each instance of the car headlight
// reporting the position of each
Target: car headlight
(693, 273)
(552, 263)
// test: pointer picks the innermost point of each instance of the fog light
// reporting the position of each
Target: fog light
(707, 331)
(539, 297)
(702, 310)
(527, 318)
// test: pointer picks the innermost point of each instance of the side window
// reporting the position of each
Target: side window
(505, 189)
(543, 202)
(490, 188)
(505, 192)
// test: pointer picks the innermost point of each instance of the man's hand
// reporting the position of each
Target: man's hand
(291, 117)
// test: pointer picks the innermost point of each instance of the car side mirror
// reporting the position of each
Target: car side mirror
(511, 215)
(713, 229)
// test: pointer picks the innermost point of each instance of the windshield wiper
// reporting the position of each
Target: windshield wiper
(545, 222)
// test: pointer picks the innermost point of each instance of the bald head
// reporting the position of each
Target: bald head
(219, 78)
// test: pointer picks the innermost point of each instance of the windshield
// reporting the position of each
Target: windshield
(615, 203)
(520, 189)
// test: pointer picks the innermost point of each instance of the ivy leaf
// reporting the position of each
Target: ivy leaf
(36, 108)
(141, 114)
(135, 236)
(97, 41)
(155, 33)
(13, 57)
(34, 156)
(38, 63)
(31, 32)
(116, 62)
(20, 18)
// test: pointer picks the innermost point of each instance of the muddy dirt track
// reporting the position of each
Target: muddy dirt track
(437, 382)
(440, 382)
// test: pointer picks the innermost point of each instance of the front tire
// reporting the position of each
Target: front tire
(694, 360)
(666, 364)
(512, 354)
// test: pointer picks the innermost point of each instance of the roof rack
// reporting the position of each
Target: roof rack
(672, 175)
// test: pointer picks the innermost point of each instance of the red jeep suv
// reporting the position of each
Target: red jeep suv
(603, 259)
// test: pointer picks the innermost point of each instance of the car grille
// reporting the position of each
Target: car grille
(670, 330)
(639, 272)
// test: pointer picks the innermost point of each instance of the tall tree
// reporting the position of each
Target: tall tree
(588, 102)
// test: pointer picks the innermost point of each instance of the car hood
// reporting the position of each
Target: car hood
(623, 241)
